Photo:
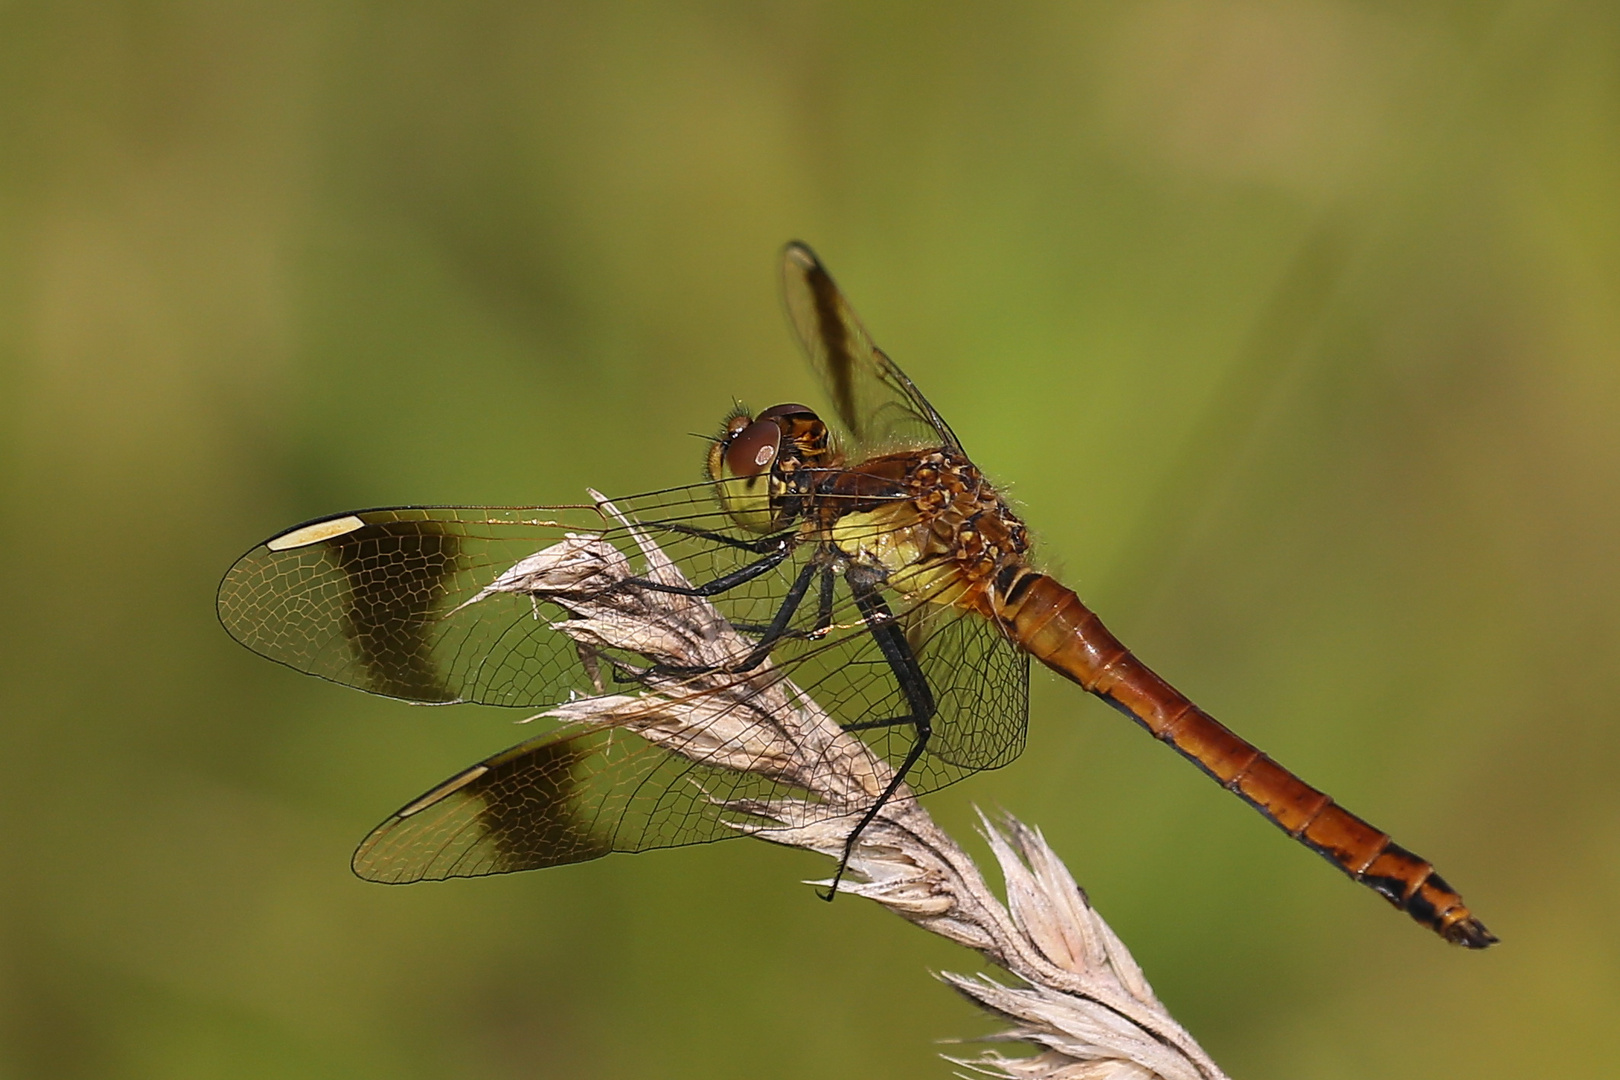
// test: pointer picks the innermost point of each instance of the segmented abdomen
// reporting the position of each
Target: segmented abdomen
(1050, 621)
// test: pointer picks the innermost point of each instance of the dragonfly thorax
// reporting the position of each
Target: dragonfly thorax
(929, 520)
(762, 466)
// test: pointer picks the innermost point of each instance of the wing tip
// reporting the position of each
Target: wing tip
(798, 255)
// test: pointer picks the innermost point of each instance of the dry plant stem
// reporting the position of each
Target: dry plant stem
(1084, 1005)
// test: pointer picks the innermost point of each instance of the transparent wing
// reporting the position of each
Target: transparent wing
(394, 601)
(574, 796)
(880, 409)
(553, 800)
(978, 678)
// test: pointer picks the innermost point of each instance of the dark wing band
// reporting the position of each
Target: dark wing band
(880, 408)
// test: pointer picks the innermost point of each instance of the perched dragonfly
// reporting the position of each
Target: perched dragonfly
(868, 560)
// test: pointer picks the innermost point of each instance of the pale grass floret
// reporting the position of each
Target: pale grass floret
(1081, 1002)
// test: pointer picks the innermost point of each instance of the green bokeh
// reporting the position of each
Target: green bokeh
(1296, 325)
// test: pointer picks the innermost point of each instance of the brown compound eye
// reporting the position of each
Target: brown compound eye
(789, 411)
(751, 450)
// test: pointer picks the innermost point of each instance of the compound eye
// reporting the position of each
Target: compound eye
(797, 412)
(751, 451)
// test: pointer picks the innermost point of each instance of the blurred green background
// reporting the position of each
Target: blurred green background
(1293, 326)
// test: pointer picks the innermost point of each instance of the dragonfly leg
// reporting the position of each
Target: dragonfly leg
(778, 629)
(760, 546)
(773, 633)
(824, 617)
(824, 611)
(913, 684)
(721, 584)
(714, 588)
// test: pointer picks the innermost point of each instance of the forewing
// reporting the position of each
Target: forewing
(395, 601)
(880, 408)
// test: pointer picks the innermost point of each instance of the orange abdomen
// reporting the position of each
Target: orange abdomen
(1050, 621)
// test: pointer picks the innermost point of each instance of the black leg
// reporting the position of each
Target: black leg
(824, 614)
(721, 584)
(758, 547)
(784, 614)
(773, 633)
(913, 685)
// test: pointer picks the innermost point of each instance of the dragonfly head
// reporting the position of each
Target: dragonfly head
(756, 461)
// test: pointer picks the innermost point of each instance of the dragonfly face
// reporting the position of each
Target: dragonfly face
(864, 557)
(763, 467)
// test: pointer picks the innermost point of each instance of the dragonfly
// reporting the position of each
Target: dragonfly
(863, 555)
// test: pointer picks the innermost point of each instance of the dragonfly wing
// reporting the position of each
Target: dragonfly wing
(881, 409)
(561, 798)
(980, 682)
(977, 677)
(407, 602)
(514, 811)
(573, 795)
